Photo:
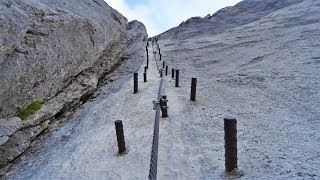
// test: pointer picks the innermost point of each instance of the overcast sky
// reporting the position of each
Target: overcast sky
(161, 15)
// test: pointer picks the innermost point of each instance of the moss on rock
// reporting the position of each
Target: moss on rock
(32, 108)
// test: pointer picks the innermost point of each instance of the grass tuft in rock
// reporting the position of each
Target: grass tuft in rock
(32, 108)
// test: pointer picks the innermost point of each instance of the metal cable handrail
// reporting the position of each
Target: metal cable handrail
(155, 58)
(155, 140)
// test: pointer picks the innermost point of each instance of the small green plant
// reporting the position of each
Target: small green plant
(32, 108)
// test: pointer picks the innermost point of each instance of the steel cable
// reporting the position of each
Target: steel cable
(155, 141)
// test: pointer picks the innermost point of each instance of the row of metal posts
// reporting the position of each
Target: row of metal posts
(230, 123)
(230, 129)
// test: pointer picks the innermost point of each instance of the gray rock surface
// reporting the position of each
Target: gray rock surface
(45, 45)
(266, 73)
(9, 127)
(244, 12)
(83, 132)
(58, 53)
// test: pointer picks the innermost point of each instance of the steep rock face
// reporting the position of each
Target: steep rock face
(55, 52)
(46, 43)
(267, 74)
(245, 12)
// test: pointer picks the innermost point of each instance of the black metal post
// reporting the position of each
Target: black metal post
(160, 57)
(172, 74)
(145, 69)
(159, 50)
(135, 83)
(177, 78)
(147, 56)
(164, 106)
(163, 64)
(193, 89)
(166, 70)
(144, 77)
(120, 136)
(230, 138)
